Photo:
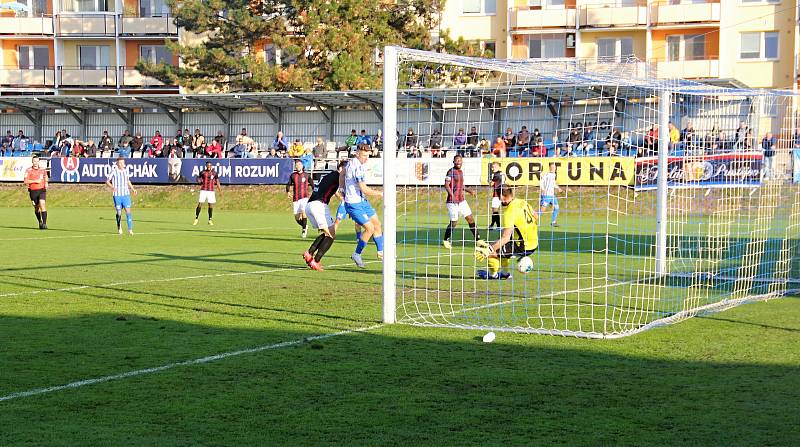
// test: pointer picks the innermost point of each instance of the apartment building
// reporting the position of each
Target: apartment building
(83, 46)
(751, 43)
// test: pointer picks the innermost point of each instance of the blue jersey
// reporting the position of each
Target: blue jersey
(354, 174)
(120, 178)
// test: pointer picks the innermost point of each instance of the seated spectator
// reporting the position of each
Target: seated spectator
(65, 145)
(435, 144)
(320, 150)
(364, 139)
(483, 147)
(296, 149)
(410, 142)
(460, 141)
(171, 148)
(573, 143)
(539, 149)
(8, 139)
(377, 144)
(509, 139)
(20, 143)
(499, 147)
(6, 151)
(351, 141)
(213, 149)
(137, 143)
(106, 144)
(156, 146)
(272, 153)
(536, 134)
(242, 148)
(198, 147)
(280, 144)
(524, 138)
(473, 140)
(179, 137)
(125, 143)
(589, 141)
(220, 137)
(651, 141)
(308, 160)
(78, 149)
(613, 142)
(688, 135)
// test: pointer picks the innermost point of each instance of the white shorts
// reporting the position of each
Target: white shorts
(456, 209)
(207, 196)
(496, 203)
(319, 215)
(300, 206)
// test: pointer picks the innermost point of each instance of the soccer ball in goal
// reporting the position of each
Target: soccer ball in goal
(632, 200)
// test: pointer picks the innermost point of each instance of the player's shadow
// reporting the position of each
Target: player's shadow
(43, 234)
(223, 258)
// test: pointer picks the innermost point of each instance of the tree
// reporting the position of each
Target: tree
(325, 44)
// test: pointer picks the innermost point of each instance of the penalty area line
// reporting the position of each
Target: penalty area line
(198, 361)
(153, 233)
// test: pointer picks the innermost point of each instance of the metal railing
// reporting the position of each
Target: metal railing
(14, 76)
(100, 24)
(70, 76)
(130, 77)
(27, 26)
(133, 25)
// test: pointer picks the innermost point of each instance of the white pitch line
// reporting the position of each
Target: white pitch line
(114, 234)
(199, 361)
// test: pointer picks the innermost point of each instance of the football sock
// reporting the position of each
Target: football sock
(210, 213)
(494, 265)
(360, 246)
(38, 216)
(449, 231)
(315, 245)
(118, 220)
(379, 242)
(299, 221)
(495, 219)
(358, 235)
(44, 217)
(323, 248)
(129, 219)
(474, 231)
(197, 212)
(555, 213)
(304, 222)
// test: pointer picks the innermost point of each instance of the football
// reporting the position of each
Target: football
(525, 264)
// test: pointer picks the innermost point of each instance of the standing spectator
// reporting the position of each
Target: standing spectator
(280, 144)
(124, 148)
(106, 144)
(319, 149)
(308, 160)
(523, 138)
(56, 140)
(499, 147)
(137, 143)
(66, 145)
(156, 146)
(435, 143)
(297, 149)
(198, 143)
(213, 149)
(363, 138)
(768, 147)
(741, 133)
(748, 140)
(509, 139)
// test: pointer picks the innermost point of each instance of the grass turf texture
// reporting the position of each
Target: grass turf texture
(727, 379)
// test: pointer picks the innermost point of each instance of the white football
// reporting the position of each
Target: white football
(489, 337)
(525, 264)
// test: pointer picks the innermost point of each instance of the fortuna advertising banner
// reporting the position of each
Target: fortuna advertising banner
(741, 169)
(573, 171)
(12, 169)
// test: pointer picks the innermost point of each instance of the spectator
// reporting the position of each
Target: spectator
(538, 149)
(137, 143)
(748, 140)
(614, 142)
(106, 144)
(297, 149)
(213, 149)
(768, 145)
(411, 140)
(797, 139)
(179, 138)
(688, 136)
(460, 141)
(198, 143)
(6, 151)
(364, 139)
(483, 147)
(20, 142)
(172, 149)
(56, 140)
(66, 145)
(573, 142)
(536, 134)
(651, 141)
(124, 147)
(474, 140)
(320, 151)
(272, 153)
(221, 139)
(78, 149)
(741, 133)
(435, 143)
(308, 159)
(509, 139)
(524, 138)
(242, 147)
(499, 148)
(280, 144)
(8, 139)
(156, 146)
(351, 141)
(377, 144)
(589, 141)
(674, 136)
(91, 148)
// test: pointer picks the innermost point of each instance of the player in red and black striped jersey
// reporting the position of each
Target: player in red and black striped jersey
(497, 186)
(300, 182)
(456, 202)
(319, 214)
(209, 181)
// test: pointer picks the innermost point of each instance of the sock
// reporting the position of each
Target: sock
(495, 219)
(474, 231)
(379, 242)
(504, 263)
(299, 221)
(304, 223)
(449, 231)
(38, 216)
(323, 248)
(360, 246)
(197, 212)
(129, 219)
(210, 213)
(494, 265)
(358, 235)
(44, 217)
(315, 245)
(118, 220)
(555, 214)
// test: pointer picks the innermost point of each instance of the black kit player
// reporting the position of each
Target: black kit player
(319, 214)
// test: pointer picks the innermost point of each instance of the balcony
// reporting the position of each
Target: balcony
(147, 26)
(24, 77)
(523, 17)
(27, 26)
(607, 16)
(131, 78)
(684, 13)
(99, 24)
(87, 77)
(696, 69)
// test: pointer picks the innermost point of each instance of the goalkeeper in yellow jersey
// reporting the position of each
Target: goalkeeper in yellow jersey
(520, 236)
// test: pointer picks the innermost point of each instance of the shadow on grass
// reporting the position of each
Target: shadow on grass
(393, 386)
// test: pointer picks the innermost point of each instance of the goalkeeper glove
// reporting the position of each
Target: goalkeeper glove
(483, 251)
(481, 243)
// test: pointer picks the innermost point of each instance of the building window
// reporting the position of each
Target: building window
(153, 8)
(33, 57)
(759, 45)
(36, 8)
(84, 5)
(556, 4)
(609, 49)
(686, 47)
(489, 49)
(484, 7)
(547, 45)
(93, 57)
(760, 2)
(155, 54)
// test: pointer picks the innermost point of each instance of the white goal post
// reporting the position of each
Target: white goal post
(674, 198)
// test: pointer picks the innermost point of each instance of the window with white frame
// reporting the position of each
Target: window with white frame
(555, 4)
(36, 8)
(85, 5)
(31, 57)
(153, 8)
(93, 57)
(686, 47)
(614, 49)
(478, 7)
(759, 45)
(547, 45)
(155, 53)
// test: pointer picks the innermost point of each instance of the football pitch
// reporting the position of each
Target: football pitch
(221, 335)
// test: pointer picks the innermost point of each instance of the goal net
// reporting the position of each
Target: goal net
(673, 198)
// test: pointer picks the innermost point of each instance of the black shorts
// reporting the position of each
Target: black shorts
(37, 195)
(514, 249)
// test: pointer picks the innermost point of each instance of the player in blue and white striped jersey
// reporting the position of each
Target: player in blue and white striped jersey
(548, 197)
(120, 182)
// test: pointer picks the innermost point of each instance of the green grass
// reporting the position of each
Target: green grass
(727, 379)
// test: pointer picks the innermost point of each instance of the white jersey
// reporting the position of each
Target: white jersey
(119, 179)
(353, 175)
(548, 184)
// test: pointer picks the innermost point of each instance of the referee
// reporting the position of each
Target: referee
(36, 181)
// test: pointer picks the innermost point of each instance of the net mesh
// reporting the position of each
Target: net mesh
(731, 209)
